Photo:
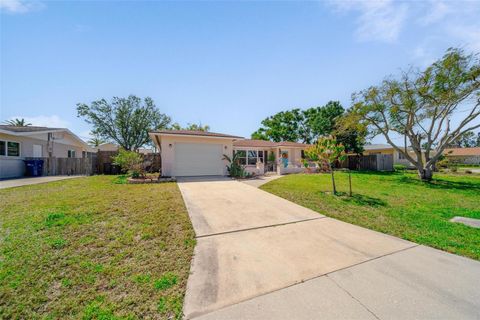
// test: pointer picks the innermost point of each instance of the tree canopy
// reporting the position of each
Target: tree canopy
(125, 121)
(420, 105)
(308, 125)
(469, 139)
(191, 126)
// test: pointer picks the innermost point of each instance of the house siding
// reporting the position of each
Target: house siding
(13, 167)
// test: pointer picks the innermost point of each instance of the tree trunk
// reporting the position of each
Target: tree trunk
(333, 181)
(425, 174)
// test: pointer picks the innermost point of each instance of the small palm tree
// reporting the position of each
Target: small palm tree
(17, 122)
(95, 141)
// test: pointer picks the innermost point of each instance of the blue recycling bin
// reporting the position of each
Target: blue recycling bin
(33, 168)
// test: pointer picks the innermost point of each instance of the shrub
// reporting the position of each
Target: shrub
(235, 169)
(444, 163)
(399, 167)
(131, 162)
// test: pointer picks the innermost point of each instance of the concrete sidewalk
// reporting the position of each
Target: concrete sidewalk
(260, 257)
(28, 181)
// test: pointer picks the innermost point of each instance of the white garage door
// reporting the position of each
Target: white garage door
(197, 159)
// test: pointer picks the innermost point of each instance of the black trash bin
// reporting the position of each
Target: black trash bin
(33, 168)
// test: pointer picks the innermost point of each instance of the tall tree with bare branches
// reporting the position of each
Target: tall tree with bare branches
(421, 105)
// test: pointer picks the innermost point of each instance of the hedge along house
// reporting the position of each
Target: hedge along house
(199, 153)
(20, 143)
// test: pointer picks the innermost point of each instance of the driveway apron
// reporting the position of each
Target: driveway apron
(259, 256)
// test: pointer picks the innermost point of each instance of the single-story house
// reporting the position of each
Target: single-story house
(463, 155)
(18, 143)
(398, 158)
(200, 153)
(107, 146)
(260, 156)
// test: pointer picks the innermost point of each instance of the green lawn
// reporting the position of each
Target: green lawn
(395, 203)
(92, 248)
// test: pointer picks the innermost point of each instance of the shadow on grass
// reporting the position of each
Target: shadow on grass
(440, 184)
(362, 200)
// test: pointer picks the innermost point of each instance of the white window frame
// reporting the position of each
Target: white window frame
(257, 158)
(70, 152)
(6, 149)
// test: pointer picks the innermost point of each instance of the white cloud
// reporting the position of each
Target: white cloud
(468, 35)
(52, 121)
(19, 6)
(380, 20)
(436, 11)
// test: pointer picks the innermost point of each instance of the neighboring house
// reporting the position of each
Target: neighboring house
(200, 153)
(463, 155)
(107, 146)
(18, 143)
(398, 158)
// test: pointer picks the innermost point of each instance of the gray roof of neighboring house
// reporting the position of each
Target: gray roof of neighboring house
(196, 133)
(32, 129)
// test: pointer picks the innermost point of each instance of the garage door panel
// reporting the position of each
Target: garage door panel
(198, 159)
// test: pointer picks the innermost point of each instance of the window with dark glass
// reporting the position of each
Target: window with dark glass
(71, 154)
(2, 148)
(261, 157)
(252, 157)
(242, 157)
(13, 149)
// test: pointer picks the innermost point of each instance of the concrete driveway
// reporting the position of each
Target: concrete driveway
(11, 183)
(262, 257)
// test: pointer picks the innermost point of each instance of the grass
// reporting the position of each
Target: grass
(93, 248)
(395, 203)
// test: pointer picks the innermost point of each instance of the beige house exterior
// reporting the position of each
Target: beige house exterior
(398, 158)
(287, 156)
(193, 153)
(19, 143)
(198, 153)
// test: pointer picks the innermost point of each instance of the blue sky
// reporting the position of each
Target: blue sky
(226, 64)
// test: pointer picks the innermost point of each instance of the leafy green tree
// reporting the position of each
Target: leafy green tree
(283, 126)
(323, 120)
(125, 121)
(17, 122)
(307, 125)
(327, 150)
(467, 140)
(420, 104)
(191, 126)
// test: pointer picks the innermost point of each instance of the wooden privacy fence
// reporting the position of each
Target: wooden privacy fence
(67, 166)
(104, 163)
(375, 162)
